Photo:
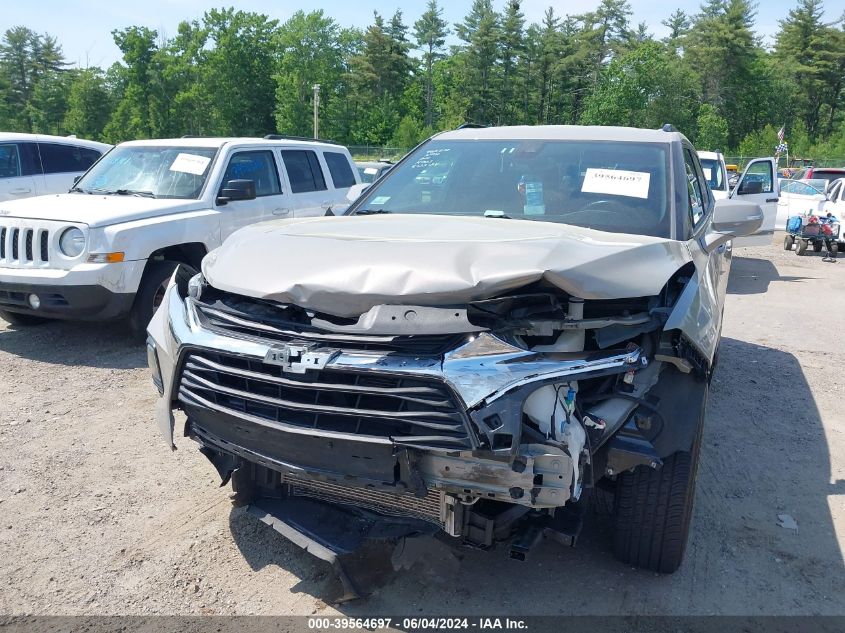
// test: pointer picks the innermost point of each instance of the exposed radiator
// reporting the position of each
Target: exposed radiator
(430, 508)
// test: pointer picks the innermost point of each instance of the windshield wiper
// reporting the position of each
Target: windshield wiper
(78, 190)
(371, 211)
(132, 192)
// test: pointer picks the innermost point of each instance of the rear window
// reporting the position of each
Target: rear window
(304, 171)
(60, 159)
(339, 169)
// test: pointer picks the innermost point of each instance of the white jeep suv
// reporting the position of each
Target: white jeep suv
(107, 248)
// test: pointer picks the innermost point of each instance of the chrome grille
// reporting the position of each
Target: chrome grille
(24, 246)
(412, 411)
(429, 508)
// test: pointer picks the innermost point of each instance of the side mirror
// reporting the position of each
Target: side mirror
(237, 190)
(355, 191)
(732, 218)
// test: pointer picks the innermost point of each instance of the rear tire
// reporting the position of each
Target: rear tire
(788, 241)
(817, 247)
(802, 247)
(149, 296)
(653, 508)
(23, 320)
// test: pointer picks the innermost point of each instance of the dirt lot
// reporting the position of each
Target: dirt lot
(98, 517)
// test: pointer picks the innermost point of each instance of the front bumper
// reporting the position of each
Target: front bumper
(65, 302)
(87, 292)
(489, 379)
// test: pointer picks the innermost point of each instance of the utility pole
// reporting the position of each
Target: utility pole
(316, 110)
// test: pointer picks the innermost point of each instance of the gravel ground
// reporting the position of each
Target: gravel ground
(97, 516)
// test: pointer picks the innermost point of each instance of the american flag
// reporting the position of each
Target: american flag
(780, 134)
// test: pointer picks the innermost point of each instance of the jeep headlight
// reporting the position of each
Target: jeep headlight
(72, 242)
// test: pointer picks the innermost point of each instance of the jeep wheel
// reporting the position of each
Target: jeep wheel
(150, 295)
(788, 241)
(23, 320)
(652, 510)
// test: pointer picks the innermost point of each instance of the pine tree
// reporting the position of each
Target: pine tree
(430, 32)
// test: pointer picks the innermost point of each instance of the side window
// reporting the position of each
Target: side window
(260, 167)
(694, 189)
(758, 179)
(61, 159)
(303, 170)
(10, 161)
(339, 169)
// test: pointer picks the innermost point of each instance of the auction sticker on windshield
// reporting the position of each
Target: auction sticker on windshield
(617, 182)
(190, 164)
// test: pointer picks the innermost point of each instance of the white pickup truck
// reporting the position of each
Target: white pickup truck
(107, 248)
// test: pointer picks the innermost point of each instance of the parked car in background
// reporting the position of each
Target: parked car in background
(798, 197)
(515, 315)
(107, 249)
(370, 171)
(716, 173)
(39, 164)
(819, 173)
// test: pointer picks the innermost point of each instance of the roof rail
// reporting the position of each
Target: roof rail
(285, 137)
(668, 127)
(468, 125)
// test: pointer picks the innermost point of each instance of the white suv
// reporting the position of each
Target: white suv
(37, 164)
(107, 248)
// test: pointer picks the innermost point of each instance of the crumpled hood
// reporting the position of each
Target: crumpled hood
(346, 265)
(94, 210)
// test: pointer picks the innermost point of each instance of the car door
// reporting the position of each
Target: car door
(63, 163)
(270, 201)
(309, 191)
(20, 173)
(759, 185)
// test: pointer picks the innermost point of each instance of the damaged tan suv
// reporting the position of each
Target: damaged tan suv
(466, 355)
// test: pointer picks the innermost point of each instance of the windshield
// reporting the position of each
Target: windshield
(156, 172)
(713, 172)
(605, 185)
(829, 176)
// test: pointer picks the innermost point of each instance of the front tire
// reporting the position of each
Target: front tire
(788, 241)
(817, 247)
(150, 295)
(653, 508)
(22, 320)
(802, 247)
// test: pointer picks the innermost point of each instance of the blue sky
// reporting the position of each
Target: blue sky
(84, 27)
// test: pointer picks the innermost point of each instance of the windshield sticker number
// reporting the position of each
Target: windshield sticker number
(370, 170)
(380, 200)
(190, 164)
(616, 182)
(708, 173)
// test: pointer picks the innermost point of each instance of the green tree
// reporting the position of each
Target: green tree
(89, 104)
(240, 64)
(430, 32)
(712, 129)
(33, 69)
(480, 32)
(644, 88)
(512, 46)
(813, 53)
(408, 133)
(309, 54)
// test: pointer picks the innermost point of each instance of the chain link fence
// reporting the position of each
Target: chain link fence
(375, 152)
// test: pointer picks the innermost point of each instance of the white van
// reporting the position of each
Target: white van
(107, 248)
(38, 164)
